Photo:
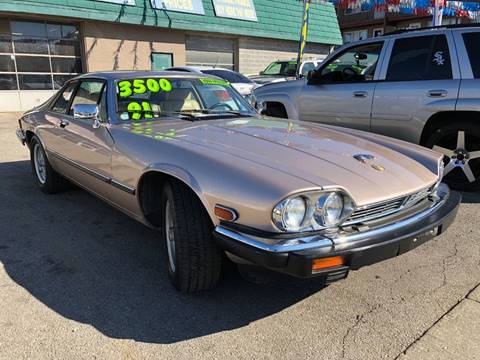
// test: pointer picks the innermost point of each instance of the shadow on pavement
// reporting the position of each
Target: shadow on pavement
(470, 197)
(92, 264)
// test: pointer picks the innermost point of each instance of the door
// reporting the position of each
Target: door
(420, 79)
(341, 91)
(84, 151)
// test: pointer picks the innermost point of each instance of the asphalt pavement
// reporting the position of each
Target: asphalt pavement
(80, 280)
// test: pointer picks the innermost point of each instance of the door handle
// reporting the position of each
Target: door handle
(360, 94)
(63, 123)
(437, 93)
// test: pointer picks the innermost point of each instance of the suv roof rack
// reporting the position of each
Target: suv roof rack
(452, 26)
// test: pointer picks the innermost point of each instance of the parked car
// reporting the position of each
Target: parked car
(241, 83)
(421, 86)
(279, 71)
(185, 154)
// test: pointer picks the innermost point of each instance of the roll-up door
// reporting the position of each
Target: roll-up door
(208, 51)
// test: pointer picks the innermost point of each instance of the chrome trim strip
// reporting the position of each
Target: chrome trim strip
(309, 242)
(123, 187)
(323, 241)
(93, 173)
(21, 136)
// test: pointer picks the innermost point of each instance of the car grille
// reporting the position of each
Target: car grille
(385, 208)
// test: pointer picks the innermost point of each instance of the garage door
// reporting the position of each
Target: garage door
(208, 51)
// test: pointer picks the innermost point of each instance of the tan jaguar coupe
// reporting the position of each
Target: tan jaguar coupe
(187, 155)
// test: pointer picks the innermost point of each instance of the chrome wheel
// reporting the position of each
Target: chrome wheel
(170, 235)
(39, 161)
(461, 155)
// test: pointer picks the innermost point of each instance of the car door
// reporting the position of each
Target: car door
(341, 91)
(84, 150)
(420, 78)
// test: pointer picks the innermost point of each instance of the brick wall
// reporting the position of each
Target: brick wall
(255, 54)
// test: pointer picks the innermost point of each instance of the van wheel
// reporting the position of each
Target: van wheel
(460, 145)
(48, 180)
(194, 260)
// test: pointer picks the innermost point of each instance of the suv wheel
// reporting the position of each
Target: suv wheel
(460, 145)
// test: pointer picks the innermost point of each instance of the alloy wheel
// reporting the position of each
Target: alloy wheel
(39, 161)
(170, 235)
(461, 156)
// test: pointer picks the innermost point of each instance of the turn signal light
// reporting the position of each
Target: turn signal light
(319, 264)
(225, 213)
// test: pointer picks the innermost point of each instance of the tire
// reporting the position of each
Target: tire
(47, 179)
(462, 163)
(194, 261)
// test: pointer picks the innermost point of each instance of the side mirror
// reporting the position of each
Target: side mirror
(261, 73)
(87, 112)
(360, 56)
(310, 74)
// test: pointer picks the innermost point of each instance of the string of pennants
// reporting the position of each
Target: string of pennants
(460, 9)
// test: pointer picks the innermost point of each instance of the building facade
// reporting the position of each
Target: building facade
(45, 42)
(357, 24)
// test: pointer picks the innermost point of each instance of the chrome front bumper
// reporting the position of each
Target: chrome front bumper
(358, 248)
(21, 136)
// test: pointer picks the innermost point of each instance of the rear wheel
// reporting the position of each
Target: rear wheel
(276, 110)
(194, 260)
(460, 145)
(48, 180)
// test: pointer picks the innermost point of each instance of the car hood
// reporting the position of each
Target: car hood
(267, 79)
(321, 156)
(244, 88)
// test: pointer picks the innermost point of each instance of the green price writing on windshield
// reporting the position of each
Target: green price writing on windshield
(127, 88)
(137, 109)
(207, 81)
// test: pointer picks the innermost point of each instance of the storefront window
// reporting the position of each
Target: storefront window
(38, 55)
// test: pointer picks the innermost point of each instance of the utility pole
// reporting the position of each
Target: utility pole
(303, 35)
(437, 13)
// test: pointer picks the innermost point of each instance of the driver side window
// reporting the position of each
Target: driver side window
(355, 64)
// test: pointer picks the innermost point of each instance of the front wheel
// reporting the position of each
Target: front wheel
(194, 260)
(460, 145)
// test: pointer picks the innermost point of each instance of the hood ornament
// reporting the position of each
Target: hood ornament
(368, 159)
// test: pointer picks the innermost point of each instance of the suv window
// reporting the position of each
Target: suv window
(89, 92)
(471, 40)
(60, 106)
(355, 64)
(420, 58)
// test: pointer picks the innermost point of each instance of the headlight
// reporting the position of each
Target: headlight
(312, 211)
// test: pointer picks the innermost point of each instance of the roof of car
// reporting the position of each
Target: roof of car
(197, 68)
(127, 74)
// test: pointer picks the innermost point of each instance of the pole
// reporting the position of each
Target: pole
(303, 35)
(437, 13)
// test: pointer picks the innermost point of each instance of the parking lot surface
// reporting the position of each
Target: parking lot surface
(78, 279)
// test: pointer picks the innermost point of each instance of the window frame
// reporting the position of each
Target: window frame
(60, 93)
(105, 85)
(463, 58)
(454, 61)
(345, 49)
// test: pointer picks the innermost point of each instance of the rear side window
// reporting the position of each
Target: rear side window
(472, 40)
(61, 104)
(420, 58)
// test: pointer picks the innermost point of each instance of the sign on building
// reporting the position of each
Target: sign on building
(187, 6)
(126, 2)
(235, 9)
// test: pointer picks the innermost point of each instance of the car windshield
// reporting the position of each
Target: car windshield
(230, 76)
(281, 68)
(146, 98)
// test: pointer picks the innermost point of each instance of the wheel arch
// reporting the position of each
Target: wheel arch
(440, 119)
(150, 186)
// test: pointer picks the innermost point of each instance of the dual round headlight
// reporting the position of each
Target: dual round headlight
(312, 211)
